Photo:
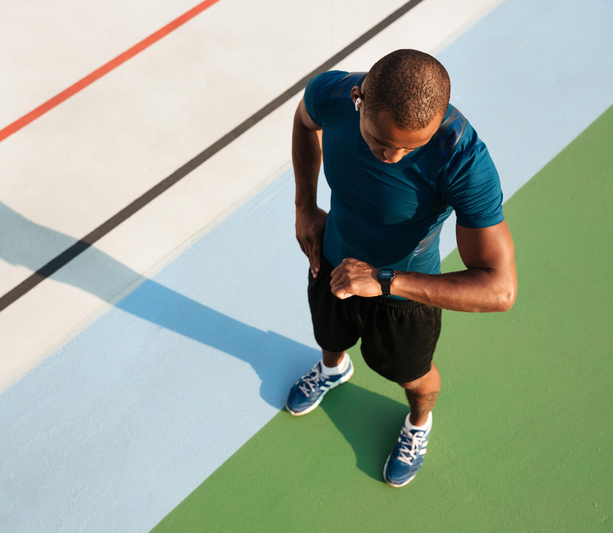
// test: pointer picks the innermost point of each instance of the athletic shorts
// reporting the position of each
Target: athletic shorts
(398, 336)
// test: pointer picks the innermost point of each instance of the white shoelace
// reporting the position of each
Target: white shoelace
(410, 445)
(311, 381)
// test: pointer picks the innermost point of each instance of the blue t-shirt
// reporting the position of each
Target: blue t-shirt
(390, 215)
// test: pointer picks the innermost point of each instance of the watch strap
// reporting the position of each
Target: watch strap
(385, 286)
(386, 280)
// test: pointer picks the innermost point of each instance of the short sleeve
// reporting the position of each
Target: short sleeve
(474, 189)
(317, 94)
(311, 99)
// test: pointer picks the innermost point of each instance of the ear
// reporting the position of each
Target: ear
(356, 93)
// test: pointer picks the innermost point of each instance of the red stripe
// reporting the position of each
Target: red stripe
(104, 69)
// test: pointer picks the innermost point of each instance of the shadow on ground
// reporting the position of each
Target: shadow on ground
(26, 243)
(370, 422)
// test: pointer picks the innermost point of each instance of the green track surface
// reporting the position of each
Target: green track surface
(522, 437)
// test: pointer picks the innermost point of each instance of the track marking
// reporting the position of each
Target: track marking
(104, 69)
(83, 244)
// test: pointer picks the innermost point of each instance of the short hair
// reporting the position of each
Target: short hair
(412, 86)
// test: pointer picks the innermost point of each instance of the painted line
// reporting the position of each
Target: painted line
(104, 69)
(79, 247)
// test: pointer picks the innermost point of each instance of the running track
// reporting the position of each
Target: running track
(158, 394)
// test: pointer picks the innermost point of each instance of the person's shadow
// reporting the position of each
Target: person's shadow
(369, 422)
(23, 242)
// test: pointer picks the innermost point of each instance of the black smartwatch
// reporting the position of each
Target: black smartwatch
(386, 275)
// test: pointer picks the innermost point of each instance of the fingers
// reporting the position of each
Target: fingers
(354, 278)
(315, 257)
(341, 291)
(312, 249)
(340, 270)
(339, 282)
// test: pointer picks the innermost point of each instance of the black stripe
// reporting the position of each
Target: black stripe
(79, 247)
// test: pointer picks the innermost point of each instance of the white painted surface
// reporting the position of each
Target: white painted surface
(48, 46)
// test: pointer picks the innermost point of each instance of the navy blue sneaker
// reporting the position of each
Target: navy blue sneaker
(308, 392)
(407, 457)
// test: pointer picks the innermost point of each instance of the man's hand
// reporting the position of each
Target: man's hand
(310, 225)
(355, 278)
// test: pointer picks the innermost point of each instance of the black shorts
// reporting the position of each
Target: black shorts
(398, 336)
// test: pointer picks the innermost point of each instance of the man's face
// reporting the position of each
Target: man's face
(386, 141)
(390, 144)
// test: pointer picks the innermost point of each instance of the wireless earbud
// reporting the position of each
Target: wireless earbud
(356, 104)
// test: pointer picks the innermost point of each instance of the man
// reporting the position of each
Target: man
(398, 159)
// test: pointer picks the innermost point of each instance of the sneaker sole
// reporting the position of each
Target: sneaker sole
(395, 485)
(344, 379)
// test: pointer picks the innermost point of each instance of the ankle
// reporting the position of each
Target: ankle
(419, 420)
(339, 368)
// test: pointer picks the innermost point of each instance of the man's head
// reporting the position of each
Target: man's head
(402, 103)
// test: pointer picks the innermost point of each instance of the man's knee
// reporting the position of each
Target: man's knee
(431, 380)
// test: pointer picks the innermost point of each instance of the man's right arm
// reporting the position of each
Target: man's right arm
(306, 158)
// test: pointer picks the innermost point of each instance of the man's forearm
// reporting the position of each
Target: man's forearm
(306, 158)
(472, 290)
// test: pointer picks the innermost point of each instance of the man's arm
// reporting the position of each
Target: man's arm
(306, 158)
(488, 284)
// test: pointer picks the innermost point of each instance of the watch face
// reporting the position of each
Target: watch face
(386, 274)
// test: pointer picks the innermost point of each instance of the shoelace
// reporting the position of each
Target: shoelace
(410, 445)
(311, 381)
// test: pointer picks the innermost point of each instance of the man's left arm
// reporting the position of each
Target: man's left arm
(488, 284)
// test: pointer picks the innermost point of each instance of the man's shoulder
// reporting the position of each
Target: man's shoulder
(450, 134)
(335, 83)
(328, 95)
(454, 140)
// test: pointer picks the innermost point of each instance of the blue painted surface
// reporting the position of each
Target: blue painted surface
(117, 427)
(149, 400)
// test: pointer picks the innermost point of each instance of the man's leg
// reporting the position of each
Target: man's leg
(333, 327)
(332, 359)
(422, 394)
(407, 457)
